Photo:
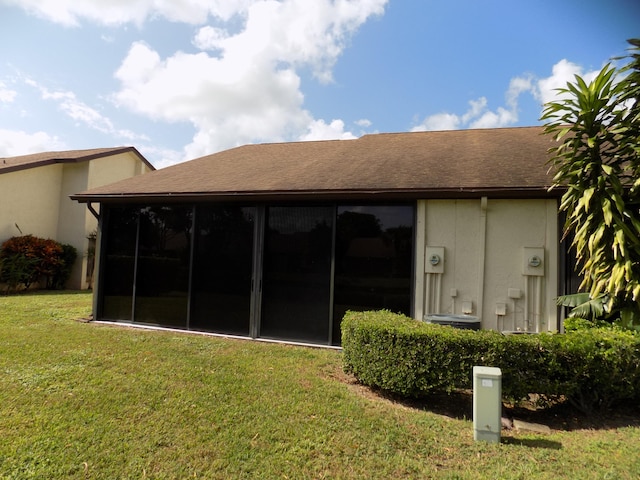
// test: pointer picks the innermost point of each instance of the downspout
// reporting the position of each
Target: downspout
(93, 211)
(482, 241)
(98, 260)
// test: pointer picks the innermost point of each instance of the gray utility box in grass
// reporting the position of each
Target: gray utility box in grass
(487, 403)
(467, 322)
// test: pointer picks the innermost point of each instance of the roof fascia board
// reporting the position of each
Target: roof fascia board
(84, 158)
(525, 192)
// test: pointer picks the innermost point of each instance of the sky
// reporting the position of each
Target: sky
(179, 79)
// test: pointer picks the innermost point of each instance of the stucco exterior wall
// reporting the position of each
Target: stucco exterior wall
(74, 221)
(37, 199)
(30, 199)
(103, 171)
(486, 246)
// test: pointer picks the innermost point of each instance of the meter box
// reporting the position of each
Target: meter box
(434, 260)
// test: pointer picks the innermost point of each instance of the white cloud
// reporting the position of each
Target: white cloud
(480, 116)
(118, 12)
(15, 142)
(210, 38)
(477, 116)
(248, 89)
(562, 72)
(6, 94)
(438, 121)
(242, 86)
(320, 130)
(82, 113)
(162, 157)
(518, 86)
(500, 118)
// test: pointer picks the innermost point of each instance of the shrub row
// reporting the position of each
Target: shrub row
(26, 260)
(594, 368)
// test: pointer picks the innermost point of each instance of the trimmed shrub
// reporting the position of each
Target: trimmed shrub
(591, 369)
(62, 273)
(26, 260)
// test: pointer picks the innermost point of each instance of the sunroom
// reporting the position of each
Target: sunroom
(278, 241)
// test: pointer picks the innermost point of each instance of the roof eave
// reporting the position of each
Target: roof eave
(84, 158)
(306, 195)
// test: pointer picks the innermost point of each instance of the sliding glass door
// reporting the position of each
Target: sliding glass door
(373, 260)
(222, 269)
(162, 274)
(296, 276)
(277, 272)
(119, 263)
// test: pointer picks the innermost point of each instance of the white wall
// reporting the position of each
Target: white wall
(483, 269)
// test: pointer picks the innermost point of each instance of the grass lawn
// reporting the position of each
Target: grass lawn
(89, 401)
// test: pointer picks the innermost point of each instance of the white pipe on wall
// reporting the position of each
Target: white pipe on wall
(525, 318)
(438, 291)
(428, 306)
(482, 240)
(538, 306)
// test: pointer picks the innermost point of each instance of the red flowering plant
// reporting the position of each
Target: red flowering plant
(27, 259)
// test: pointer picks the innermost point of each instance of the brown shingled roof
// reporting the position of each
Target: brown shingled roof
(23, 162)
(508, 162)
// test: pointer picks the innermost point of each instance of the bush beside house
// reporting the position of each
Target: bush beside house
(594, 368)
(27, 260)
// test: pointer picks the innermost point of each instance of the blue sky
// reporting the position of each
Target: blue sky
(179, 80)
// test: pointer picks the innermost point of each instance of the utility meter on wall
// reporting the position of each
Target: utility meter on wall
(434, 260)
(533, 261)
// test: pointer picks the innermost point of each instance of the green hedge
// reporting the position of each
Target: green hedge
(589, 368)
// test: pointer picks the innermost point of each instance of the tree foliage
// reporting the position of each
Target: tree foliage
(597, 159)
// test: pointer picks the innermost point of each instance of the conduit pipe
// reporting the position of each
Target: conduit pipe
(482, 240)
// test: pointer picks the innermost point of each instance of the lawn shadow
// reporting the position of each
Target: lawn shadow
(532, 442)
(560, 417)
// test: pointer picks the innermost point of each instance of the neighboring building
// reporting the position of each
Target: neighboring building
(277, 241)
(35, 189)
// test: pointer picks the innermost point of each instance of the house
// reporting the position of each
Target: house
(277, 241)
(35, 189)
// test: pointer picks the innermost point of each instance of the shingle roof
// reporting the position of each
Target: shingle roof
(507, 162)
(23, 162)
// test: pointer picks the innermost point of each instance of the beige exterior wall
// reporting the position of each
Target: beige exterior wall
(486, 246)
(37, 199)
(30, 199)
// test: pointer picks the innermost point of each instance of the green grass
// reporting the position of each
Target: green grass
(89, 401)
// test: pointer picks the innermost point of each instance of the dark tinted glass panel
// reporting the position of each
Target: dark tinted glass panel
(222, 268)
(118, 263)
(296, 273)
(162, 279)
(374, 256)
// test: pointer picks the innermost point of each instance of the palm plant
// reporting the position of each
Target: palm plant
(597, 160)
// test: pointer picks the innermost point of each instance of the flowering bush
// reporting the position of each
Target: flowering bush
(27, 259)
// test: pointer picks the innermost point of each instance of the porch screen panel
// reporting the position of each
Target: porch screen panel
(297, 273)
(162, 279)
(222, 269)
(374, 257)
(118, 263)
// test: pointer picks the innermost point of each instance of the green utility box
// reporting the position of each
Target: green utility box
(487, 403)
